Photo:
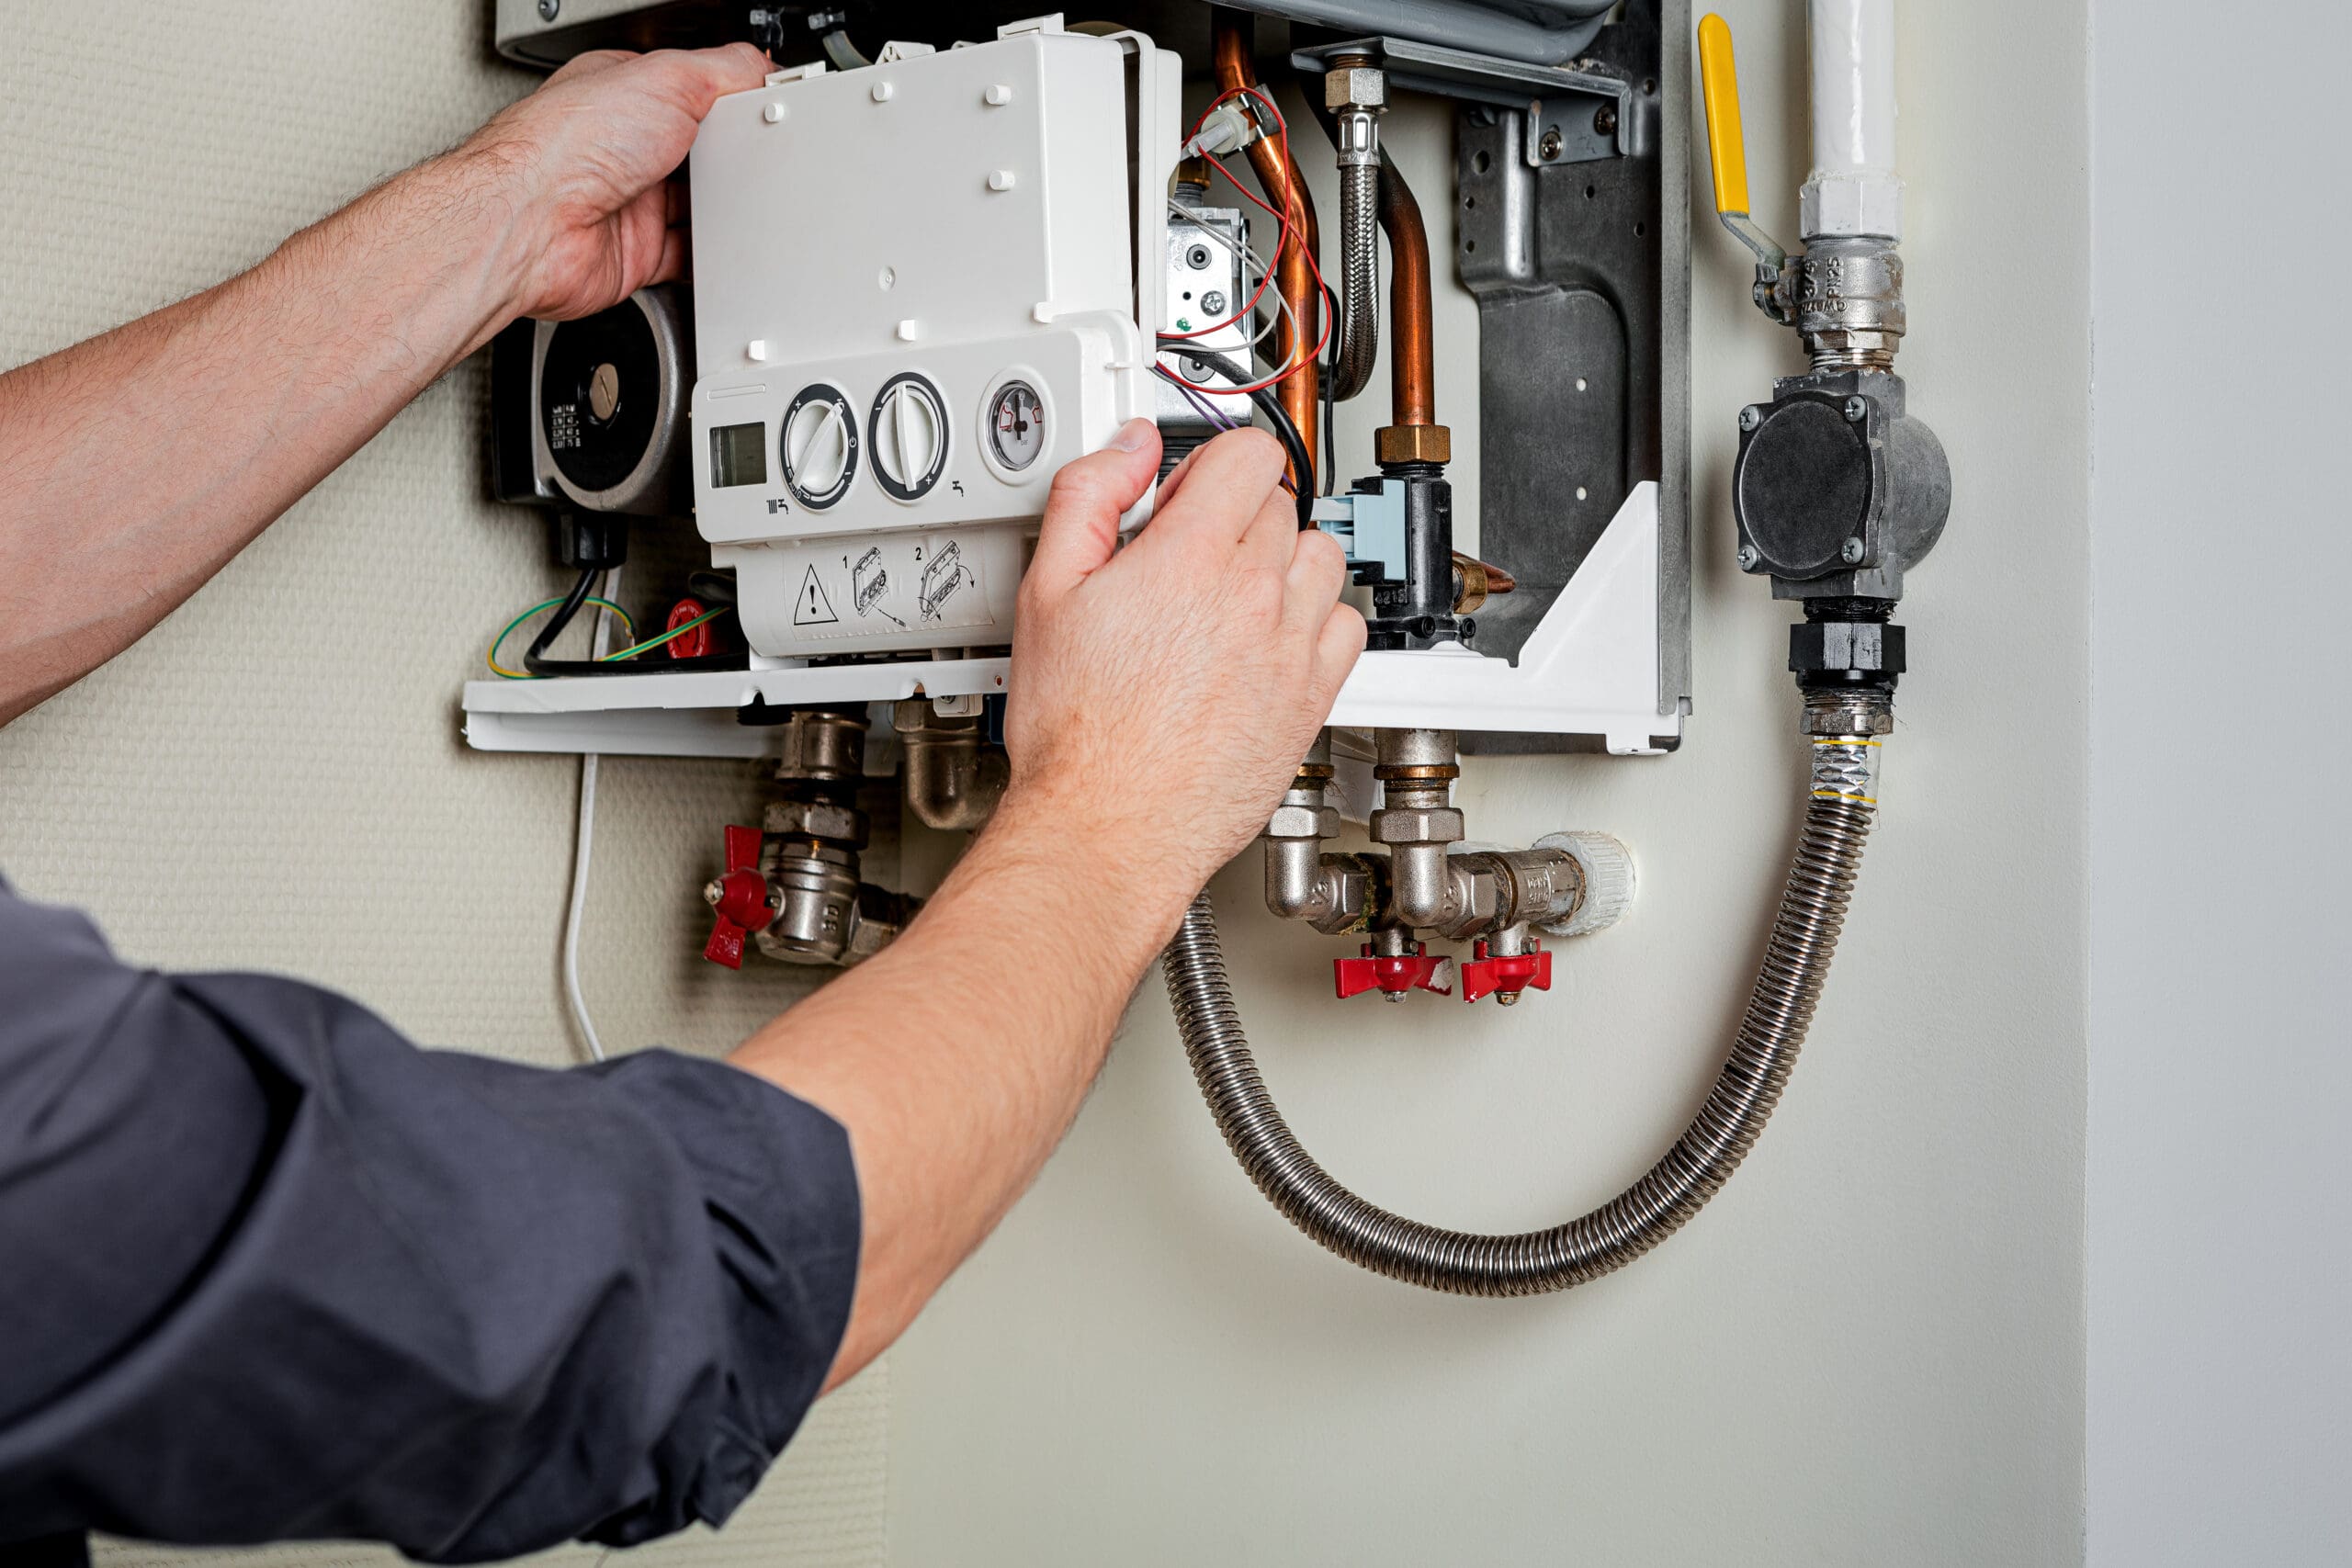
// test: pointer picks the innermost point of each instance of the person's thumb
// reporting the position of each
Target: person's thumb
(1082, 524)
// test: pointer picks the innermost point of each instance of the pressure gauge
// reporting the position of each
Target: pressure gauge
(1017, 425)
(819, 445)
(909, 433)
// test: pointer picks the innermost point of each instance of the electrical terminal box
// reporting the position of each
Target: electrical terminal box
(916, 299)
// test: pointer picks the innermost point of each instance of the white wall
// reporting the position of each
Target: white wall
(2221, 1223)
(273, 779)
(1867, 1350)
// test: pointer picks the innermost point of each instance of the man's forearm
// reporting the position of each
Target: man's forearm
(133, 465)
(959, 1055)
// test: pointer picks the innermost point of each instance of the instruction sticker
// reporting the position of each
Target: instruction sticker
(888, 588)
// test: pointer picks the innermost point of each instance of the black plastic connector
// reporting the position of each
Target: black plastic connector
(1412, 600)
(589, 541)
(1847, 643)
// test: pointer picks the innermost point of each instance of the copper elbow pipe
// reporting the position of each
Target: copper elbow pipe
(1294, 275)
(1412, 363)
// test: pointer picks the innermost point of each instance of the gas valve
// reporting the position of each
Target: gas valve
(1394, 974)
(794, 884)
(1503, 976)
(741, 898)
(1430, 882)
(1840, 489)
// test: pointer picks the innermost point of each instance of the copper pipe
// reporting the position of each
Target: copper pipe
(1412, 363)
(1233, 34)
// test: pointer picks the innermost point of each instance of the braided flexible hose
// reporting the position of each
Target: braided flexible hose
(1359, 279)
(1796, 964)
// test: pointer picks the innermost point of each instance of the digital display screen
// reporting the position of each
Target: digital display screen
(738, 455)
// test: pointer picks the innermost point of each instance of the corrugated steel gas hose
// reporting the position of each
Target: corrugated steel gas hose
(1839, 813)
(1359, 334)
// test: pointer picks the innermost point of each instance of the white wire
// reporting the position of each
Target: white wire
(1281, 313)
(583, 845)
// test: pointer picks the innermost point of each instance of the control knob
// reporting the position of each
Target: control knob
(910, 434)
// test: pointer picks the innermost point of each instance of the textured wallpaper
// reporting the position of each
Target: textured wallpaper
(275, 779)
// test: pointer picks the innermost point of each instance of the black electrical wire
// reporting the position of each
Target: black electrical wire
(535, 658)
(1327, 370)
(1302, 462)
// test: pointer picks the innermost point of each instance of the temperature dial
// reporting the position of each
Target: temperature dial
(819, 445)
(1017, 425)
(910, 432)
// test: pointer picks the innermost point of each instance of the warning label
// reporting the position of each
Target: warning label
(813, 609)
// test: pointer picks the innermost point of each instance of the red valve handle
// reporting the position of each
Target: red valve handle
(695, 644)
(1505, 975)
(742, 902)
(1396, 976)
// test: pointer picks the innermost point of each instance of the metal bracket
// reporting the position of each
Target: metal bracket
(1581, 130)
(1580, 267)
(1573, 116)
(1476, 78)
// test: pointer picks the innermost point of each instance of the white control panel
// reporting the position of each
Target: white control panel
(915, 299)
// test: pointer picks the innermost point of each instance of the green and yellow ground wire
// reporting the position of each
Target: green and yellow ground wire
(606, 604)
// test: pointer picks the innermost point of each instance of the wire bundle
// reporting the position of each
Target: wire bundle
(537, 666)
(1259, 391)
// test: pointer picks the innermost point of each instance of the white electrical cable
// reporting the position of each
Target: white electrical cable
(583, 845)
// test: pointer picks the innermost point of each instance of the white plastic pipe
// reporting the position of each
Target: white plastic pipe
(1853, 189)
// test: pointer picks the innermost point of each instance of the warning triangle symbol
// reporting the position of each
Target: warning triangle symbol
(812, 608)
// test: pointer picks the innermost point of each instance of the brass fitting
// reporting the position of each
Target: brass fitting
(1413, 443)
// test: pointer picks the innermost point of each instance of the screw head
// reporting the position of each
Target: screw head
(1214, 303)
(547, 8)
(1749, 557)
(1857, 410)
(1549, 147)
(1750, 417)
(1604, 120)
(1851, 554)
(712, 891)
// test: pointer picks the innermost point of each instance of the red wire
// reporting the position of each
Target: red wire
(1281, 130)
(1279, 238)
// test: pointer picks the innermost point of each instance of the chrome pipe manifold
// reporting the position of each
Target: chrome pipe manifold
(1430, 882)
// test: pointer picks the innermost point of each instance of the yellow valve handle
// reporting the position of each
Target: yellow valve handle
(1719, 73)
(1727, 145)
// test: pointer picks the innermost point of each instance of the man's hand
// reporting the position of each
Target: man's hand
(1163, 696)
(558, 208)
(582, 168)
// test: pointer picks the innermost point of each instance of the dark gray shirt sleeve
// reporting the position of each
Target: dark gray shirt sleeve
(268, 1271)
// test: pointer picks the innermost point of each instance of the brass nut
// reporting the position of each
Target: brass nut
(1413, 443)
(1417, 825)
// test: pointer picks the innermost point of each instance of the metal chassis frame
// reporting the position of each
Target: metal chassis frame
(1581, 264)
